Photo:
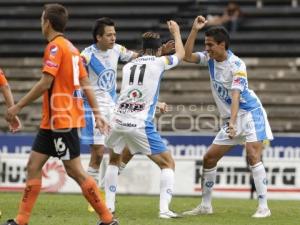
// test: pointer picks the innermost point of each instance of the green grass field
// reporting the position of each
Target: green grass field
(59, 209)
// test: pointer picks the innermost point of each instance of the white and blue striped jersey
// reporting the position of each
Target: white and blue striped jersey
(226, 76)
(140, 90)
(102, 70)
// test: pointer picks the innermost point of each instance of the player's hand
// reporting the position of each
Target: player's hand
(15, 125)
(168, 48)
(199, 23)
(102, 125)
(12, 112)
(173, 27)
(162, 106)
(231, 131)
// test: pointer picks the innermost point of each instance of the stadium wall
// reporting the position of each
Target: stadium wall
(281, 158)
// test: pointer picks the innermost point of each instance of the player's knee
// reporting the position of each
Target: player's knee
(253, 158)
(32, 168)
(209, 161)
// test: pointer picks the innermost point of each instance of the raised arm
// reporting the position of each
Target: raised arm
(175, 31)
(198, 24)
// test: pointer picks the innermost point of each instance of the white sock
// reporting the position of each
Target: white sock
(260, 181)
(166, 189)
(111, 181)
(93, 173)
(208, 182)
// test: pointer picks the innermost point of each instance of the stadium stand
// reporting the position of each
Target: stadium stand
(268, 39)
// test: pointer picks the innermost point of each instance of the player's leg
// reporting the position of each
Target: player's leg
(41, 152)
(68, 147)
(116, 143)
(167, 165)
(258, 130)
(33, 186)
(97, 152)
(254, 151)
(125, 158)
(111, 179)
(214, 153)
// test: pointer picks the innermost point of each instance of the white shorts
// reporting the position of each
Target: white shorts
(251, 126)
(145, 141)
(89, 135)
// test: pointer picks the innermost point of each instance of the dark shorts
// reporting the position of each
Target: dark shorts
(64, 143)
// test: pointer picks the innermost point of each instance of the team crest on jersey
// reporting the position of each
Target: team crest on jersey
(134, 94)
(107, 79)
(53, 50)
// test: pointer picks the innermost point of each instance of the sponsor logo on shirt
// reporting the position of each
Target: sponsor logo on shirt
(49, 63)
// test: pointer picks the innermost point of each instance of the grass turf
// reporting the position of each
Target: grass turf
(60, 209)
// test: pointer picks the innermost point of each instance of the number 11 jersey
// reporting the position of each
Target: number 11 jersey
(140, 89)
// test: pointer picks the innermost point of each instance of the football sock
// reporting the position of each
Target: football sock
(260, 181)
(166, 189)
(91, 193)
(94, 173)
(111, 182)
(208, 182)
(30, 194)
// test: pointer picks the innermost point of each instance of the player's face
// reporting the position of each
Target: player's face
(108, 39)
(215, 50)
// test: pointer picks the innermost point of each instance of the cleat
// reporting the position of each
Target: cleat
(169, 215)
(262, 213)
(199, 210)
(114, 222)
(90, 208)
(10, 222)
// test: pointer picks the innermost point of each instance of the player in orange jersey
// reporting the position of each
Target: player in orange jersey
(63, 75)
(15, 124)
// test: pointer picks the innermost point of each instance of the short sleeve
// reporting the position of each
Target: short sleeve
(203, 58)
(125, 54)
(239, 74)
(169, 61)
(52, 59)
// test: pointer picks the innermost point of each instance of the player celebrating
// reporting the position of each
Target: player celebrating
(63, 74)
(132, 123)
(101, 60)
(15, 124)
(245, 118)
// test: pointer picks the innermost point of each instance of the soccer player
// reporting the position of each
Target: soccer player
(244, 116)
(101, 60)
(15, 124)
(63, 75)
(132, 122)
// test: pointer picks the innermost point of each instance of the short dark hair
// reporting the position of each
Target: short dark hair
(219, 34)
(57, 16)
(99, 26)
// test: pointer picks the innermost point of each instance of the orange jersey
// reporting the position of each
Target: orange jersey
(3, 80)
(62, 103)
